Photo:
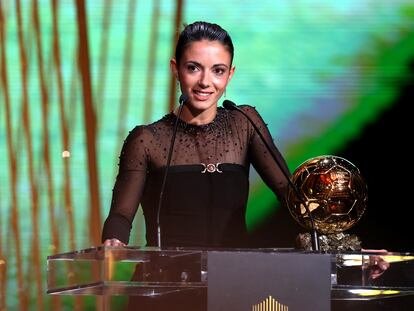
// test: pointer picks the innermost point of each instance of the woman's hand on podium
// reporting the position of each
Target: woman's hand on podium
(113, 242)
(377, 264)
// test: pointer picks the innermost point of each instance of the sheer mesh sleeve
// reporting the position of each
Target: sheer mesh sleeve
(129, 185)
(270, 171)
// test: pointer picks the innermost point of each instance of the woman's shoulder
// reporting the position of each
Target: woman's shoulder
(138, 131)
(146, 131)
(246, 109)
(139, 134)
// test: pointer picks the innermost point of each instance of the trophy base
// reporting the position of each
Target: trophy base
(330, 242)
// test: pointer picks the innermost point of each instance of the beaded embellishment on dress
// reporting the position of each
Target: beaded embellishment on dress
(195, 129)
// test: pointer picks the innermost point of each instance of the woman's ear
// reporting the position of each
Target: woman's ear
(174, 67)
(231, 73)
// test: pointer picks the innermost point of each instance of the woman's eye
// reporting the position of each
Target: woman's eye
(219, 71)
(191, 68)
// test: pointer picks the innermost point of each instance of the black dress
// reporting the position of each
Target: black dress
(206, 193)
(207, 186)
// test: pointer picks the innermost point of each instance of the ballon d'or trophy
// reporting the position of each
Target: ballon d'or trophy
(336, 196)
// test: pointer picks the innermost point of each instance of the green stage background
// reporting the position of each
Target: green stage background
(77, 76)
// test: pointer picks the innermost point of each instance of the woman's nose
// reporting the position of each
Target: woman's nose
(204, 80)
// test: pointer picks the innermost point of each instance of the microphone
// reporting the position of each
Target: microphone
(182, 100)
(227, 104)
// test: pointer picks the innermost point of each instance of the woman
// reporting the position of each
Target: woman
(206, 192)
(200, 208)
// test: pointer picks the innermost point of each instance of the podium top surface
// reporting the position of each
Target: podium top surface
(108, 270)
(132, 251)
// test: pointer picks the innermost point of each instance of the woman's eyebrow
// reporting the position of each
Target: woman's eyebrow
(200, 65)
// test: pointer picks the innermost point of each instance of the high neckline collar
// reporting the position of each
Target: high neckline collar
(194, 128)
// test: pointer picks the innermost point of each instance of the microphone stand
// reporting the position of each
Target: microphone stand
(183, 99)
(315, 239)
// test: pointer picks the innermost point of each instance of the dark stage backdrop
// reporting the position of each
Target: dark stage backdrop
(329, 77)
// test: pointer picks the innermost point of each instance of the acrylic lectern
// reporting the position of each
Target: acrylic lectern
(236, 279)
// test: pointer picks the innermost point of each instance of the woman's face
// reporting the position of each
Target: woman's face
(204, 72)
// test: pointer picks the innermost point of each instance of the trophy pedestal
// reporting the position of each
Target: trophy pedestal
(330, 242)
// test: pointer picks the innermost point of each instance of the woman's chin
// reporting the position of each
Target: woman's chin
(201, 105)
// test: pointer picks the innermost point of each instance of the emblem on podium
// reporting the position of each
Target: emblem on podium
(270, 304)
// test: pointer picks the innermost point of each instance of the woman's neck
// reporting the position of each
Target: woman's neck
(197, 117)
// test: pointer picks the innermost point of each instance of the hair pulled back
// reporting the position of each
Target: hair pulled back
(198, 31)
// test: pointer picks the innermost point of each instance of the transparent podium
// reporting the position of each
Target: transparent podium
(236, 279)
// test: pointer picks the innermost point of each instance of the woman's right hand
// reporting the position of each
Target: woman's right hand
(113, 242)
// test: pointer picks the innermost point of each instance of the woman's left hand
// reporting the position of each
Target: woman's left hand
(377, 265)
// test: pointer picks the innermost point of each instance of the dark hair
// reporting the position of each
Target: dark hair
(198, 31)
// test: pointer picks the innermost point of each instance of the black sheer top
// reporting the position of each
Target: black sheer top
(206, 192)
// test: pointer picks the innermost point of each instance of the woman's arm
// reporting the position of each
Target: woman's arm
(274, 173)
(128, 188)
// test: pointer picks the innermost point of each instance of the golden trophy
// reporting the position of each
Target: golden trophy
(331, 194)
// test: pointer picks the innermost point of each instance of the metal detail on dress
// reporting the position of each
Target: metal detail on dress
(211, 168)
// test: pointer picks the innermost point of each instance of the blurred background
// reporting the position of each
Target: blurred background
(329, 77)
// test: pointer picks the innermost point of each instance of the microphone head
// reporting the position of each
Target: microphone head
(228, 104)
(183, 99)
